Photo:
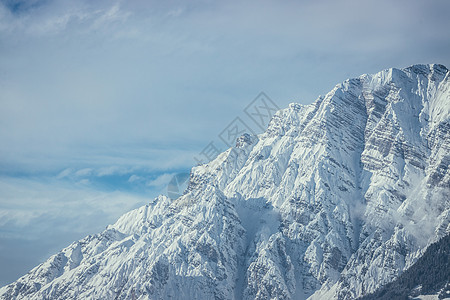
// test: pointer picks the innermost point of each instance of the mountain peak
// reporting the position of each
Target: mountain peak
(427, 68)
(245, 140)
(295, 106)
(334, 200)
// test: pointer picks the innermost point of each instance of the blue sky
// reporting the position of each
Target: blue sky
(101, 102)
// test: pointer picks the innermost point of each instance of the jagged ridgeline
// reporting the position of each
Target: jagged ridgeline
(334, 200)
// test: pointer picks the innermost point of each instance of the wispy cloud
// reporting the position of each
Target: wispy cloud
(24, 201)
(43, 216)
(161, 180)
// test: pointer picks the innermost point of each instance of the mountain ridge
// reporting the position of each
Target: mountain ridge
(333, 200)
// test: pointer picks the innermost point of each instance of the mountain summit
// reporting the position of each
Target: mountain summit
(332, 201)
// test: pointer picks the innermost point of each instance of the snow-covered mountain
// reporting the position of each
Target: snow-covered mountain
(428, 278)
(333, 200)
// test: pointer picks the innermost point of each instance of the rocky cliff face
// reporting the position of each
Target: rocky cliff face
(332, 201)
(428, 276)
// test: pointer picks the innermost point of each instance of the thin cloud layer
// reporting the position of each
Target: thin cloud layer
(39, 217)
(137, 74)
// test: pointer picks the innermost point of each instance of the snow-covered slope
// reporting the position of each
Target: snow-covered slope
(333, 200)
(428, 278)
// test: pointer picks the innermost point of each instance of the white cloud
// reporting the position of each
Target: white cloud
(134, 178)
(153, 74)
(40, 218)
(23, 201)
(111, 170)
(84, 182)
(83, 172)
(161, 180)
(64, 173)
